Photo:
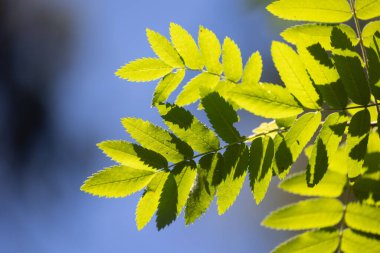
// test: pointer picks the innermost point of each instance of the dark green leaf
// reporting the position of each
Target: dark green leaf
(167, 206)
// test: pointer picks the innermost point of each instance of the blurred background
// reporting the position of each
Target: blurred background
(59, 97)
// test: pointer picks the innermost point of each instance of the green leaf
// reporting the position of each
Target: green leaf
(164, 49)
(253, 70)
(286, 122)
(260, 166)
(363, 217)
(332, 185)
(369, 31)
(132, 155)
(266, 100)
(235, 170)
(148, 203)
(167, 85)
(374, 68)
(325, 146)
(353, 242)
(293, 73)
(144, 70)
(117, 181)
(307, 214)
(222, 117)
(191, 91)
(311, 242)
(340, 40)
(210, 50)
(157, 139)
(186, 47)
(232, 62)
(327, 11)
(290, 147)
(204, 189)
(184, 175)
(309, 34)
(188, 128)
(356, 143)
(367, 9)
(167, 205)
(367, 189)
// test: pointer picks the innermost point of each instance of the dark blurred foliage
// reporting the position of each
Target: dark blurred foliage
(34, 44)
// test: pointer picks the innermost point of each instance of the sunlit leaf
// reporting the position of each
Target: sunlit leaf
(166, 86)
(232, 62)
(253, 70)
(353, 242)
(367, 9)
(211, 50)
(363, 217)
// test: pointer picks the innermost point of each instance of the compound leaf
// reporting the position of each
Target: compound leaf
(144, 70)
(327, 11)
(232, 61)
(307, 214)
(157, 139)
(117, 181)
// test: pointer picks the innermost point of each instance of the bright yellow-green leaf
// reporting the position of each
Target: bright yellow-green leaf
(210, 50)
(184, 175)
(293, 73)
(144, 70)
(367, 9)
(356, 143)
(167, 85)
(369, 31)
(290, 147)
(148, 203)
(188, 128)
(325, 147)
(363, 217)
(132, 155)
(253, 70)
(331, 185)
(338, 162)
(191, 91)
(326, 11)
(309, 34)
(353, 243)
(266, 100)
(310, 242)
(164, 49)
(118, 181)
(186, 47)
(235, 170)
(157, 139)
(307, 214)
(260, 166)
(232, 61)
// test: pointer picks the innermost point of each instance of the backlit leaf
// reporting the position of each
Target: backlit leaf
(253, 70)
(232, 62)
(210, 49)
(367, 9)
(144, 70)
(363, 217)
(353, 242)
(166, 86)
(369, 31)
(307, 214)
(167, 205)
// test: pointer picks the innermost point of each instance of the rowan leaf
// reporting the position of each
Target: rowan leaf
(356, 143)
(232, 61)
(188, 128)
(253, 70)
(325, 147)
(117, 181)
(167, 85)
(293, 73)
(367, 9)
(332, 185)
(191, 92)
(327, 11)
(260, 166)
(222, 117)
(232, 179)
(167, 205)
(266, 100)
(186, 47)
(310, 242)
(288, 148)
(369, 31)
(148, 202)
(374, 67)
(164, 49)
(210, 49)
(305, 215)
(144, 70)
(132, 155)
(157, 139)
(353, 242)
(204, 189)
(363, 218)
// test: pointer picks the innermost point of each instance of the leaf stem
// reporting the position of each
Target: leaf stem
(364, 52)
